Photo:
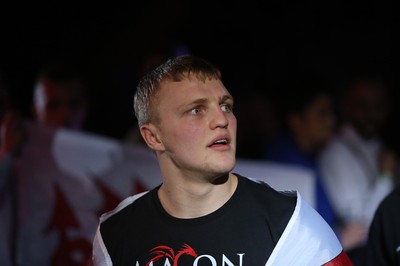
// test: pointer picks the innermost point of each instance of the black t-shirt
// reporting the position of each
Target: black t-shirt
(242, 232)
(383, 246)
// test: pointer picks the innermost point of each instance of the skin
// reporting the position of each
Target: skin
(192, 115)
(366, 107)
(314, 127)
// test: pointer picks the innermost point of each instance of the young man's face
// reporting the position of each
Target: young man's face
(196, 125)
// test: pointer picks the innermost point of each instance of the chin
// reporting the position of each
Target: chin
(226, 166)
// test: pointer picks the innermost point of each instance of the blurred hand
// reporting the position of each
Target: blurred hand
(12, 133)
(354, 235)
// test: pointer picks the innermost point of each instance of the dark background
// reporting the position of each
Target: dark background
(257, 44)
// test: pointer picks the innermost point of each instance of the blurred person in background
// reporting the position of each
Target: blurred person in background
(358, 169)
(383, 245)
(59, 101)
(12, 138)
(255, 131)
(60, 98)
(308, 122)
(12, 134)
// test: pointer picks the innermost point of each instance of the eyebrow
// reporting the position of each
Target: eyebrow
(227, 97)
(204, 100)
(201, 101)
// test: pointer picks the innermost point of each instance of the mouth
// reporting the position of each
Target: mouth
(220, 142)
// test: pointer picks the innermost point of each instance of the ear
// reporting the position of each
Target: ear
(150, 135)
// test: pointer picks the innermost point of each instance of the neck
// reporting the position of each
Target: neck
(186, 199)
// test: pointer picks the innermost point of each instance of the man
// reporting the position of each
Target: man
(202, 213)
(12, 134)
(12, 137)
(358, 169)
(59, 102)
(60, 98)
(383, 245)
(308, 123)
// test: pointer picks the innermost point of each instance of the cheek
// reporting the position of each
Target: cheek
(192, 132)
(233, 125)
(187, 134)
(233, 122)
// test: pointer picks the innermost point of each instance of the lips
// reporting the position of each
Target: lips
(220, 141)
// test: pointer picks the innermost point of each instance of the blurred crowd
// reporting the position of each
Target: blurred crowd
(335, 129)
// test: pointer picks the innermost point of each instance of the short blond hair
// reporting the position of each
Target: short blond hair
(176, 69)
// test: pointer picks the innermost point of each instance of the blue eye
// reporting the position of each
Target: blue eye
(226, 108)
(194, 111)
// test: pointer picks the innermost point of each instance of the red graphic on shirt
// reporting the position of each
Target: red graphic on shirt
(165, 251)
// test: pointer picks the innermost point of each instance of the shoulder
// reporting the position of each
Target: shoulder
(260, 188)
(393, 197)
(384, 232)
(306, 231)
(389, 205)
(262, 195)
(128, 205)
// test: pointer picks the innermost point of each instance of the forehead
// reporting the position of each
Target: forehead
(190, 89)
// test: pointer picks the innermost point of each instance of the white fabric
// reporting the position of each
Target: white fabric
(350, 172)
(307, 239)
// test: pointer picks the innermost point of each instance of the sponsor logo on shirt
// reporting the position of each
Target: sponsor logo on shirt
(166, 256)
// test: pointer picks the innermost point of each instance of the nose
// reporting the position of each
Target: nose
(219, 118)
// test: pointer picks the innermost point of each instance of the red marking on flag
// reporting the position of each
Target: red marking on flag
(340, 260)
(63, 215)
(110, 198)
